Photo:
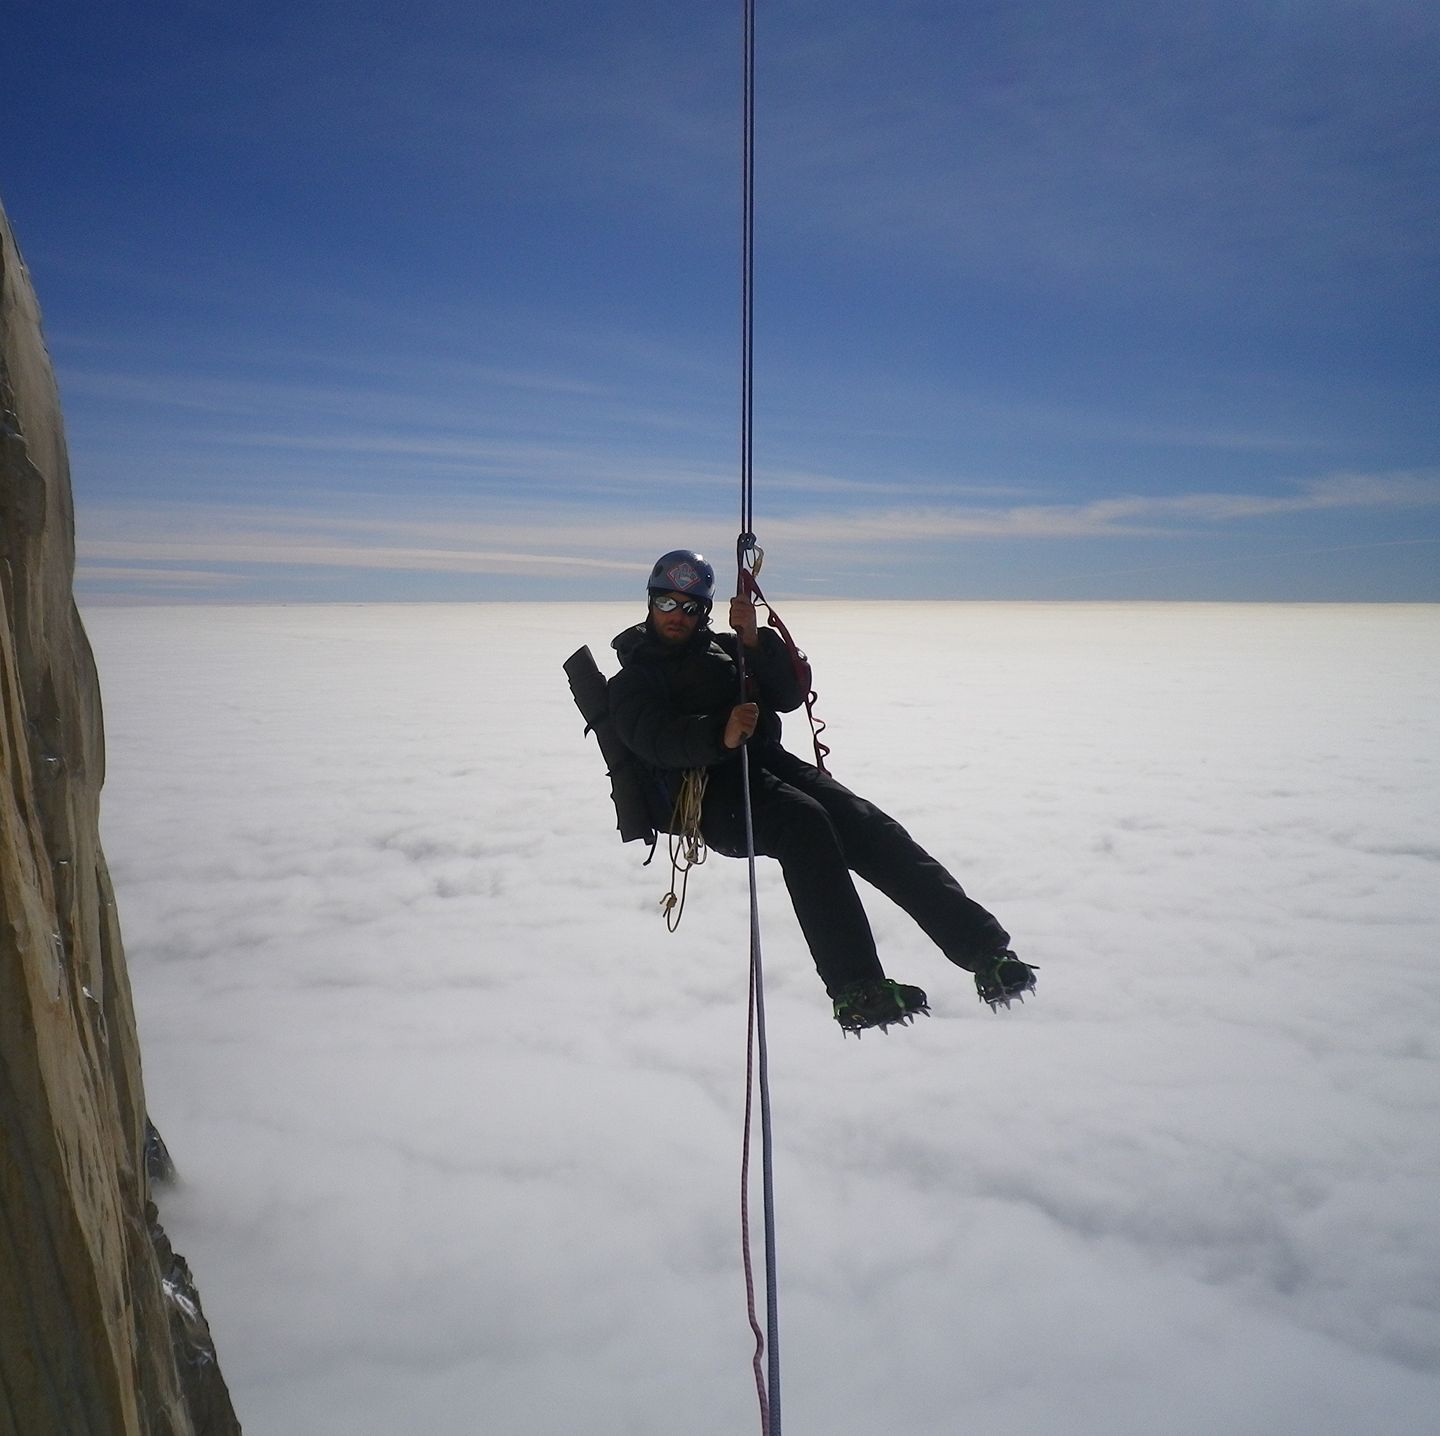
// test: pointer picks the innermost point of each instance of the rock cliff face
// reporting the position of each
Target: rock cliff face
(100, 1330)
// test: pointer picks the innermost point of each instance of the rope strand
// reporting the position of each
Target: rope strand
(687, 843)
(757, 1359)
(747, 560)
(747, 285)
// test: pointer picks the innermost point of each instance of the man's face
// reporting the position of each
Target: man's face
(676, 626)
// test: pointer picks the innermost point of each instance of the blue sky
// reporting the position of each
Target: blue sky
(440, 301)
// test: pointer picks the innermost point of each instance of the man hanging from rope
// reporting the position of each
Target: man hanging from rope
(674, 706)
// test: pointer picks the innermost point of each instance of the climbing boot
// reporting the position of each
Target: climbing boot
(878, 1003)
(1001, 977)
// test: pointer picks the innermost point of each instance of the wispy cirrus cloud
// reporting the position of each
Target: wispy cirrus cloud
(1023, 272)
(545, 540)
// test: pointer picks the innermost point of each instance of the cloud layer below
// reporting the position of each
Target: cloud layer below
(459, 1122)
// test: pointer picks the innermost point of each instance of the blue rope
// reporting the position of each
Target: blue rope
(757, 1061)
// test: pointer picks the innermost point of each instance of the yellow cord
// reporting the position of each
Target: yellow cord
(687, 847)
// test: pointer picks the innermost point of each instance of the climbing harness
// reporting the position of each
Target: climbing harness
(687, 844)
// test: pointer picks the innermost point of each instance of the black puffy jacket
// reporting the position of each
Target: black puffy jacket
(670, 705)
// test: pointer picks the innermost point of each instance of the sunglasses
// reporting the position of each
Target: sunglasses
(690, 607)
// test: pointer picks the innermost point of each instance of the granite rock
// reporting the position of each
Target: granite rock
(101, 1330)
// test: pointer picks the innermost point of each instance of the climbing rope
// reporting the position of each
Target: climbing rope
(687, 845)
(748, 557)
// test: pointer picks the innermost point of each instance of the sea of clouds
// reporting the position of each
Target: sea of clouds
(458, 1122)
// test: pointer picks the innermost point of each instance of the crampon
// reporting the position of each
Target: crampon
(881, 1004)
(1002, 978)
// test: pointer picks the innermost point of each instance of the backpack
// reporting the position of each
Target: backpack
(641, 808)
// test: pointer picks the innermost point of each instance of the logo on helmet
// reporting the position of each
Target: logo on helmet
(682, 578)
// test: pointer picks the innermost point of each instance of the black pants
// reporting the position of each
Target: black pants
(821, 832)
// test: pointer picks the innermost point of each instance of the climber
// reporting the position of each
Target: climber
(674, 704)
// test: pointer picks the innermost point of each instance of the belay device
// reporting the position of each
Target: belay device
(635, 814)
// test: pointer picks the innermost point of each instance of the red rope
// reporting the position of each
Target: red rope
(798, 661)
(757, 1361)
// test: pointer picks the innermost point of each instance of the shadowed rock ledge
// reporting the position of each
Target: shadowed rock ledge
(101, 1331)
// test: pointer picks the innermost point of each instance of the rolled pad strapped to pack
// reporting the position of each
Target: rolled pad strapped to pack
(633, 814)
